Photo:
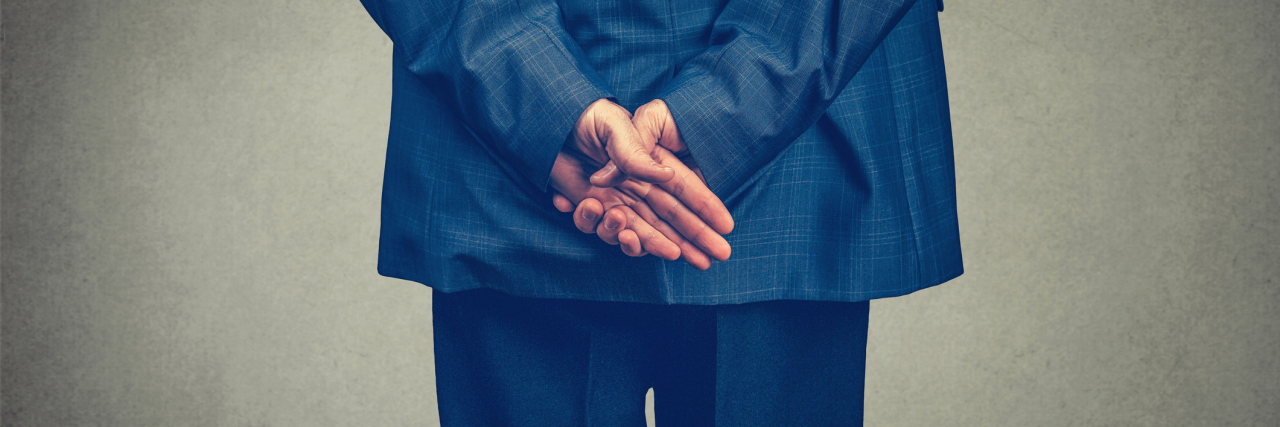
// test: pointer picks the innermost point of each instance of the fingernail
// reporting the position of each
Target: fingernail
(610, 224)
(606, 171)
(590, 216)
(660, 166)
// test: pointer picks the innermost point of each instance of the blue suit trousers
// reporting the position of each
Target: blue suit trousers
(506, 360)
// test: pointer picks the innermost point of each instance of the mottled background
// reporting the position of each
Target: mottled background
(190, 214)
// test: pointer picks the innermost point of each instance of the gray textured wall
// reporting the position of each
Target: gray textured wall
(190, 209)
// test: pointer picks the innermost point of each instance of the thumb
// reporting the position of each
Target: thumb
(657, 127)
(629, 155)
(608, 176)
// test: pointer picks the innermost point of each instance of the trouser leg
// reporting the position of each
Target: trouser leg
(781, 363)
(774, 363)
(684, 390)
(503, 360)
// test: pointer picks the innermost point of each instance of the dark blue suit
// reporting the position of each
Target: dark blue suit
(823, 125)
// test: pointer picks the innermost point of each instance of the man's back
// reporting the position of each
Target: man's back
(860, 205)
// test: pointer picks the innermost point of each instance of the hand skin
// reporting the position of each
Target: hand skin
(684, 200)
(658, 128)
(605, 134)
(630, 222)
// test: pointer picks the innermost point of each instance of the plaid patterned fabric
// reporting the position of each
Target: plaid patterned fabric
(823, 125)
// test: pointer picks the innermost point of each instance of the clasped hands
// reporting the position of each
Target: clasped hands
(645, 194)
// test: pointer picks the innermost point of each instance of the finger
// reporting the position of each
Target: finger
(688, 251)
(629, 153)
(694, 256)
(650, 240)
(688, 223)
(699, 173)
(692, 192)
(614, 222)
(657, 127)
(649, 124)
(656, 124)
(608, 176)
(630, 243)
(687, 159)
(561, 203)
(588, 215)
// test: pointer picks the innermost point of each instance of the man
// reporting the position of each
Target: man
(821, 127)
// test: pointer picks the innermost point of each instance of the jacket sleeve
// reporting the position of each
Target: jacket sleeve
(772, 69)
(516, 78)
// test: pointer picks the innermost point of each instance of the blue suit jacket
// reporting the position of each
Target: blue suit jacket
(823, 125)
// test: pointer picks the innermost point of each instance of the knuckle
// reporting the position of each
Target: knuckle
(672, 210)
(697, 235)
